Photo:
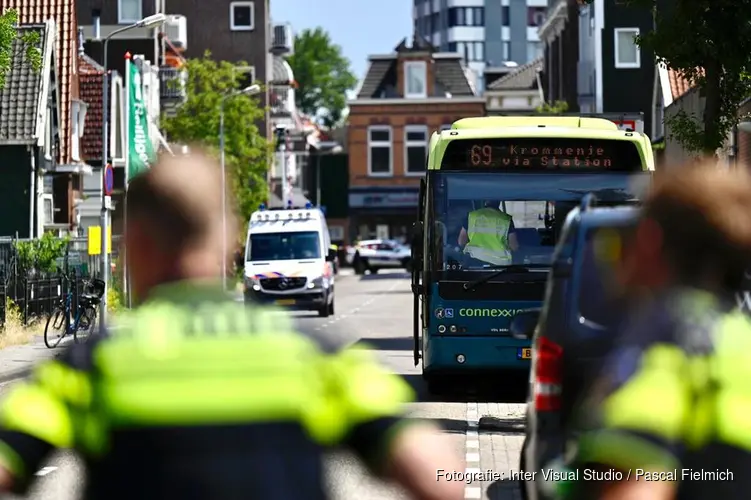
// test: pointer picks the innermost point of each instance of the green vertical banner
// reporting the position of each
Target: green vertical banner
(140, 148)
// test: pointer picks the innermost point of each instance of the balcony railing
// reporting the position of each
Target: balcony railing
(280, 105)
(172, 83)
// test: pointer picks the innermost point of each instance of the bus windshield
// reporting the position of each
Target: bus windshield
(283, 246)
(537, 203)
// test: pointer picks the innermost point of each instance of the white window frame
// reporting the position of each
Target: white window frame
(626, 65)
(123, 20)
(232, 24)
(381, 144)
(422, 67)
(247, 69)
(407, 144)
(51, 213)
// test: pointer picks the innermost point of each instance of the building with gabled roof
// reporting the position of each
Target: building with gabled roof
(403, 98)
(29, 134)
(517, 92)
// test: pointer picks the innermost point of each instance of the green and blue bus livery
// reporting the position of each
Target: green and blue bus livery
(539, 168)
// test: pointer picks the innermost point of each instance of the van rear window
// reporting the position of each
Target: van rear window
(598, 286)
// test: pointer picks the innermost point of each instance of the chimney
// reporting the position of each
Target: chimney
(96, 15)
(80, 41)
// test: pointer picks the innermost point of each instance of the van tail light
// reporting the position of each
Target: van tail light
(548, 375)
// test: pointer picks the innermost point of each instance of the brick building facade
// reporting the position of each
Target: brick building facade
(403, 99)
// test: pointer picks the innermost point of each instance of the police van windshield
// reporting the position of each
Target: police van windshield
(529, 208)
(283, 246)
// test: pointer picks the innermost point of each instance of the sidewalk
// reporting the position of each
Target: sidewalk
(17, 361)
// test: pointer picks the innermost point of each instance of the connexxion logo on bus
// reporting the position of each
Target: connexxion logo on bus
(471, 312)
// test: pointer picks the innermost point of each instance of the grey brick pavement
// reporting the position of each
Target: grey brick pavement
(501, 433)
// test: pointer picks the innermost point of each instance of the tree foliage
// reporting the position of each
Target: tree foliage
(708, 42)
(247, 153)
(8, 35)
(323, 76)
(40, 255)
(555, 108)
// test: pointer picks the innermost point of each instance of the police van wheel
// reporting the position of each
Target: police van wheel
(331, 307)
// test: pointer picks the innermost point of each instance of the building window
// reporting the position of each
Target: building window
(505, 16)
(415, 149)
(379, 151)
(49, 209)
(466, 16)
(246, 75)
(536, 16)
(626, 51)
(416, 79)
(128, 11)
(241, 16)
(534, 50)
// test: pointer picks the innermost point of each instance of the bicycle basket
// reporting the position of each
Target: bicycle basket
(95, 287)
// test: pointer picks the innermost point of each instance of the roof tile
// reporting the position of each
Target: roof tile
(19, 98)
(90, 81)
(523, 78)
(63, 12)
(679, 84)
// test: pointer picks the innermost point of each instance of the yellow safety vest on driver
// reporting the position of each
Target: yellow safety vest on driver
(488, 236)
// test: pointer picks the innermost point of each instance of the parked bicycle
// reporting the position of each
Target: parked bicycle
(80, 323)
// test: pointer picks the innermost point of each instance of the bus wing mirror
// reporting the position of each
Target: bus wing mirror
(524, 323)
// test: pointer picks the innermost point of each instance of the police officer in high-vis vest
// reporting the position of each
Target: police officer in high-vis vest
(197, 397)
(488, 234)
(669, 416)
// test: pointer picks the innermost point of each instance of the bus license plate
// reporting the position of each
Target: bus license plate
(285, 302)
(524, 353)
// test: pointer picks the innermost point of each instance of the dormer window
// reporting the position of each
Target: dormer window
(415, 79)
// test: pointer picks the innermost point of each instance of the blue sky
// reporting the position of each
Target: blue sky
(360, 27)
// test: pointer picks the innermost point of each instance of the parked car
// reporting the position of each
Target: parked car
(373, 255)
(571, 335)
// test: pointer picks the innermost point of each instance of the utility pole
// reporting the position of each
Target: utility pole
(281, 141)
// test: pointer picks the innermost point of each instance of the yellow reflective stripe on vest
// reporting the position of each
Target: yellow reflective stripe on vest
(66, 383)
(724, 408)
(657, 399)
(35, 411)
(367, 389)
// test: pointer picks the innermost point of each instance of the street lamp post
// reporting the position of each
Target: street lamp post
(147, 22)
(252, 90)
(333, 151)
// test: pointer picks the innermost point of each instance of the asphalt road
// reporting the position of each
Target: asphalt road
(377, 309)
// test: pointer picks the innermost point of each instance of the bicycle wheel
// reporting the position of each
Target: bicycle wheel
(86, 325)
(55, 329)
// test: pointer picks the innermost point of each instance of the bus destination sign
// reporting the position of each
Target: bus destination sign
(541, 154)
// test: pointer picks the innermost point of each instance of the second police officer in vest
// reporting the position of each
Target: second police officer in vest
(488, 234)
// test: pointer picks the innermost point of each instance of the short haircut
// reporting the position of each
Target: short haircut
(179, 203)
(705, 218)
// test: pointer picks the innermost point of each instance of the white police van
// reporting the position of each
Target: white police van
(288, 260)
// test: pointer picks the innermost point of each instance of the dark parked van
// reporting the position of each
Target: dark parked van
(571, 334)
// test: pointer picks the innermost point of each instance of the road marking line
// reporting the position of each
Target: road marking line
(472, 434)
(473, 443)
(45, 470)
(472, 424)
(472, 493)
(473, 458)
(472, 470)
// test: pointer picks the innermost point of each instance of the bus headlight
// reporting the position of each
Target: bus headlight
(460, 359)
(320, 282)
(453, 328)
(441, 328)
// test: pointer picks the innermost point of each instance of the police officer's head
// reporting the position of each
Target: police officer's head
(694, 230)
(174, 222)
(492, 203)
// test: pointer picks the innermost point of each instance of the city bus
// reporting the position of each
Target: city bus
(537, 168)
